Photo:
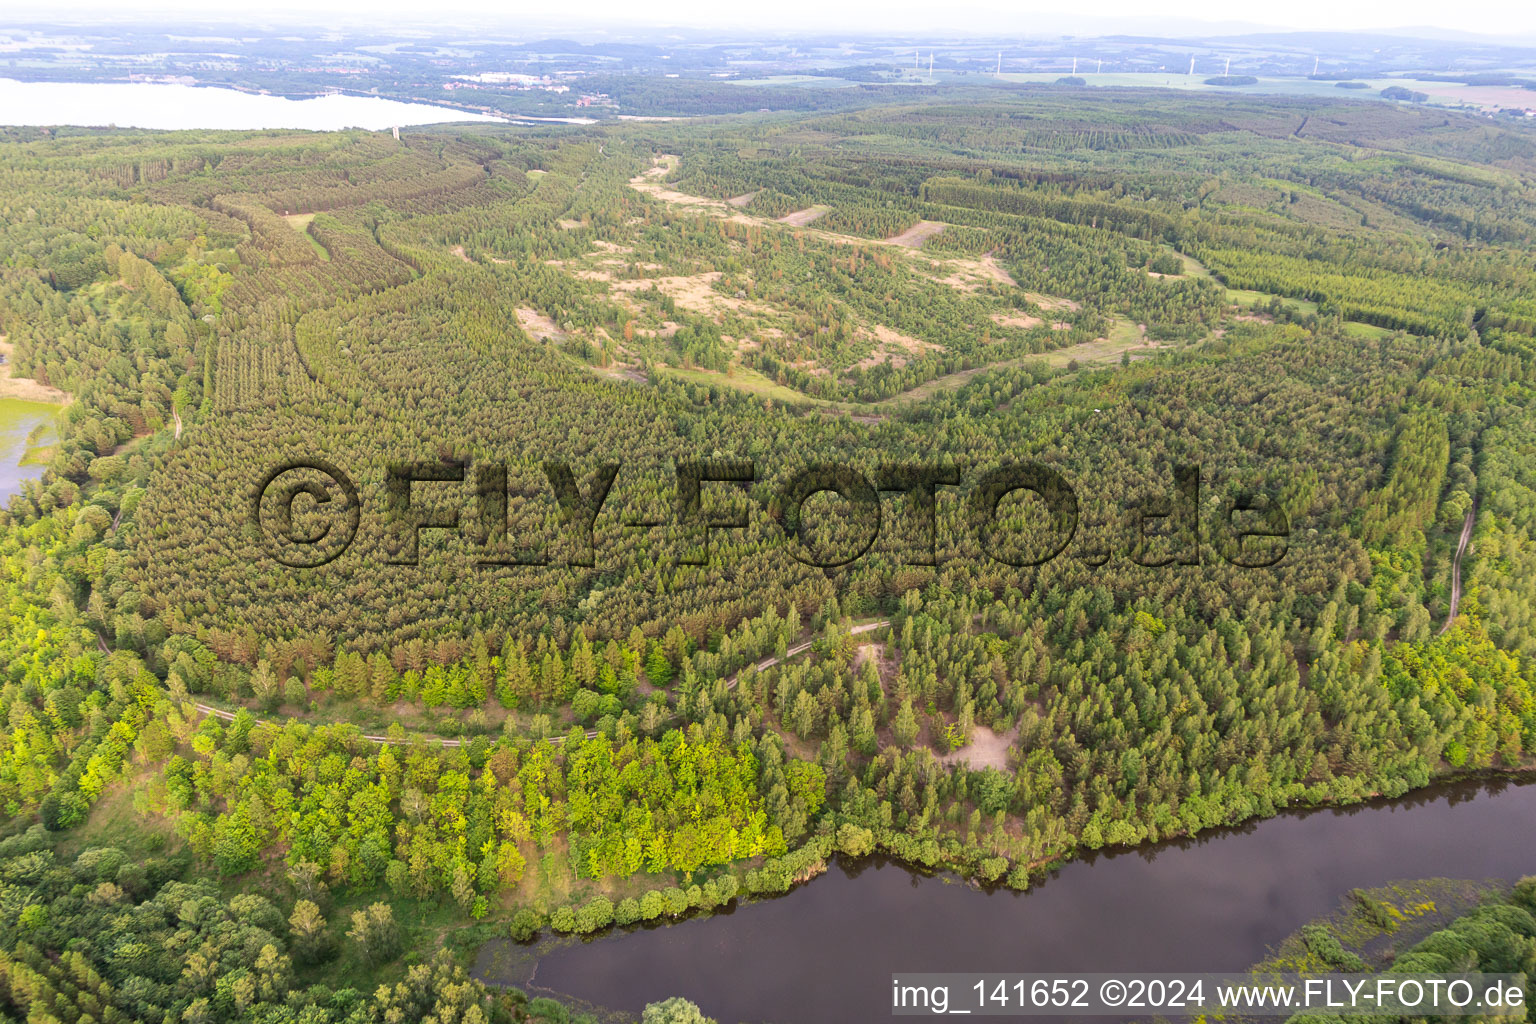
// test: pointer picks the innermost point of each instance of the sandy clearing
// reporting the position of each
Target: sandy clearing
(646, 181)
(695, 293)
(458, 251)
(743, 199)
(987, 749)
(568, 225)
(667, 329)
(899, 347)
(809, 215)
(973, 275)
(1050, 302)
(1016, 320)
(537, 325)
(917, 234)
(25, 387)
(628, 372)
(995, 270)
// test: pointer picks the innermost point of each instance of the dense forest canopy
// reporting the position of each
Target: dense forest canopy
(556, 714)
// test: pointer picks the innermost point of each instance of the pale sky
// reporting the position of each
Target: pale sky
(1495, 18)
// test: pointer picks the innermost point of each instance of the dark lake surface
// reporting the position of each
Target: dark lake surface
(825, 952)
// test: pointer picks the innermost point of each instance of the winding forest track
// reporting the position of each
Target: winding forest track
(730, 684)
(1461, 549)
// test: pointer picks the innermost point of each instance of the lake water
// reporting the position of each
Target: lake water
(826, 951)
(17, 420)
(163, 106)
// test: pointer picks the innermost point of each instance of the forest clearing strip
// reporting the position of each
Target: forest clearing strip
(730, 684)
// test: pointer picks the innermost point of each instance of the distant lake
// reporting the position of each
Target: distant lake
(17, 420)
(172, 107)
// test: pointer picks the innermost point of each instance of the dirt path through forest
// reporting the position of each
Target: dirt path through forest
(1461, 549)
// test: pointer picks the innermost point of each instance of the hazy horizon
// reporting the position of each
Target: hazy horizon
(1492, 21)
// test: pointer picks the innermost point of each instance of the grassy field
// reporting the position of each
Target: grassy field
(1251, 299)
(300, 223)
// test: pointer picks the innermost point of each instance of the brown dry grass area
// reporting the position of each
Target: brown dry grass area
(917, 234)
(809, 215)
(537, 325)
(25, 387)
(986, 750)
(1016, 320)
(1483, 95)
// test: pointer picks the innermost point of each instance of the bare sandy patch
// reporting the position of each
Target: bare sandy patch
(25, 387)
(743, 199)
(629, 372)
(809, 215)
(1016, 320)
(458, 251)
(537, 325)
(973, 275)
(567, 224)
(917, 234)
(662, 164)
(666, 330)
(1050, 302)
(646, 182)
(898, 347)
(987, 749)
(695, 293)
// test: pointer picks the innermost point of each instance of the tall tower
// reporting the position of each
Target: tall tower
(1100, 69)
(1228, 73)
(930, 63)
(999, 63)
(1315, 62)
(1074, 65)
(1191, 65)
